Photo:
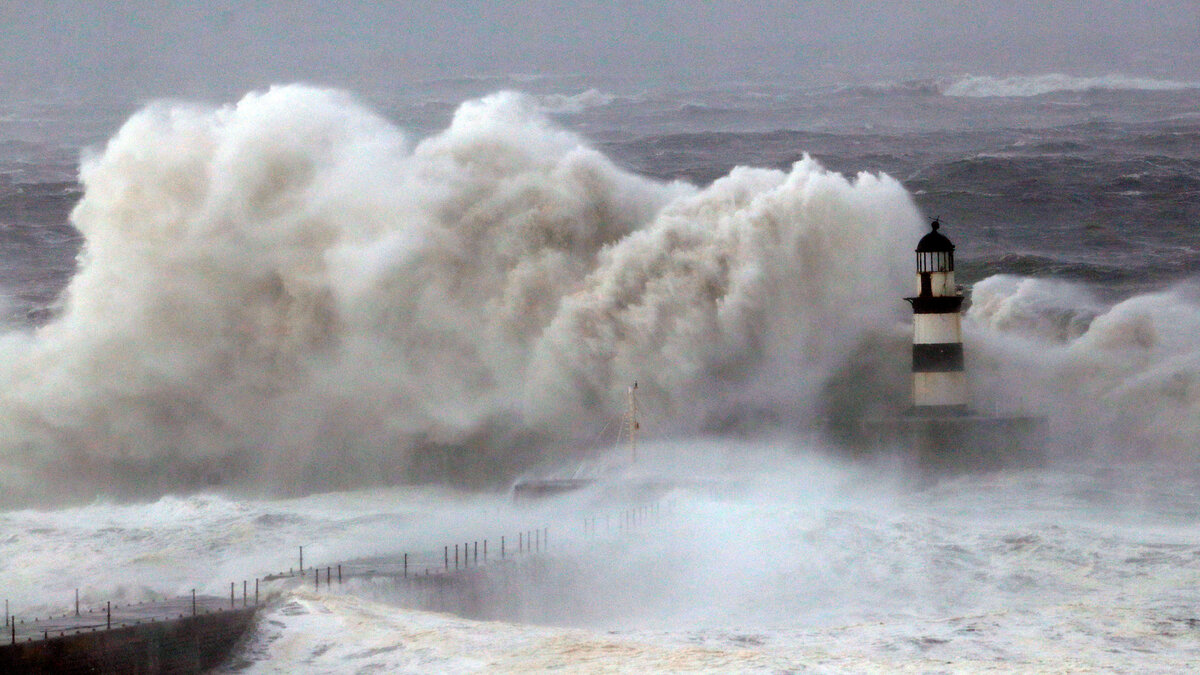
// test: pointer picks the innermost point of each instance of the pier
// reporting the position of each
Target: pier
(196, 632)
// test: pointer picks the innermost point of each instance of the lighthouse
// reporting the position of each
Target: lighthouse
(939, 433)
(939, 384)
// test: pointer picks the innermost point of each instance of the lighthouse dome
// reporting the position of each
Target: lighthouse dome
(934, 241)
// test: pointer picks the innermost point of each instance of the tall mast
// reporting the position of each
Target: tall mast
(631, 421)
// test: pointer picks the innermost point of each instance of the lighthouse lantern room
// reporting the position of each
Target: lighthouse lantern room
(939, 383)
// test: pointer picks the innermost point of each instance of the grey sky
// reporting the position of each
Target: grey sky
(135, 49)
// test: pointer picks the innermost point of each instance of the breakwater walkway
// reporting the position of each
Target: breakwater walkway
(195, 632)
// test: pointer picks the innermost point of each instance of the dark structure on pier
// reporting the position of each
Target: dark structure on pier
(191, 644)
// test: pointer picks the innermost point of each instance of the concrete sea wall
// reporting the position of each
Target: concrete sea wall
(191, 644)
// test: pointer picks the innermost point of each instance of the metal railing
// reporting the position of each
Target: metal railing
(451, 559)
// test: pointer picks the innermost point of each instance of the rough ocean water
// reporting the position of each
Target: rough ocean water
(234, 328)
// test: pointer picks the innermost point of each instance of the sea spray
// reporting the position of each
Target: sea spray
(289, 290)
(1117, 381)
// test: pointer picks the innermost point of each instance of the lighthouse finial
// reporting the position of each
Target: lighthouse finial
(935, 224)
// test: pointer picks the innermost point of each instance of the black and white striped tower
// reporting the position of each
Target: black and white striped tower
(939, 383)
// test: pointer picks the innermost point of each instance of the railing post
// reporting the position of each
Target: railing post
(476, 553)
(446, 556)
(301, 561)
(193, 602)
(231, 605)
(339, 573)
(456, 556)
(546, 537)
(502, 547)
(405, 565)
(256, 591)
(245, 593)
(485, 551)
(328, 577)
(76, 602)
(520, 542)
(108, 615)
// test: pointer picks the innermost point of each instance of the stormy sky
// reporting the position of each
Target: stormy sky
(138, 48)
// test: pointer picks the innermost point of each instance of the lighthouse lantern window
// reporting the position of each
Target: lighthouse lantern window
(935, 253)
(935, 261)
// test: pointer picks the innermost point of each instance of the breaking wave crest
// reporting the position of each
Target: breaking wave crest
(1036, 85)
(288, 287)
(1120, 380)
(574, 103)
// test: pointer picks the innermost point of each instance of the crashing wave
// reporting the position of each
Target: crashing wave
(573, 103)
(978, 86)
(290, 287)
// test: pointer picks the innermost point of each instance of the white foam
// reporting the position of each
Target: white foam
(289, 274)
(574, 103)
(1118, 379)
(1037, 85)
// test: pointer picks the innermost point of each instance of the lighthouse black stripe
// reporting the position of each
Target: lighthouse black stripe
(936, 304)
(941, 357)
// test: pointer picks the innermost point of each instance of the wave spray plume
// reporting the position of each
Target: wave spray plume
(289, 290)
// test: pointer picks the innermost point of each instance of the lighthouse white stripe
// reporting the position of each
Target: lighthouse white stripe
(930, 328)
(941, 283)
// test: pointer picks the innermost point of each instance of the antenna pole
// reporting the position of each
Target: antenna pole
(632, 421)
